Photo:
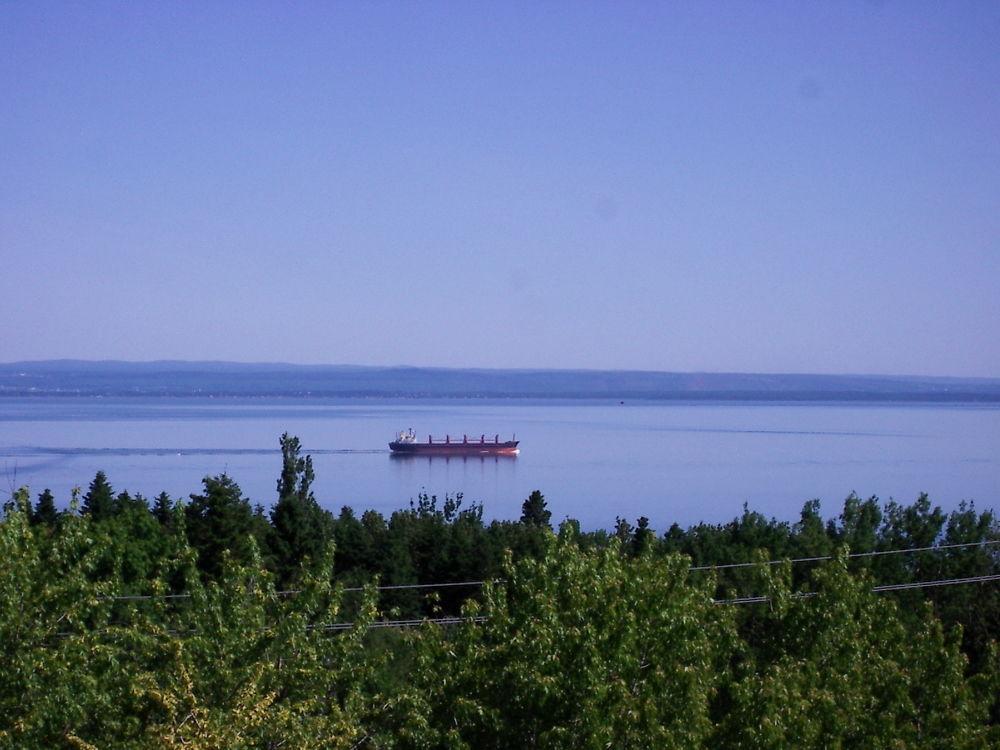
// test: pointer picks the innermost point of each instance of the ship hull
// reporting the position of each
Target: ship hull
(508, 448)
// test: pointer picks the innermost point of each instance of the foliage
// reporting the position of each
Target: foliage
(45, 510)
(300, 528)
(221, 520)
(580, 649)
(841, 669)
(99, 501)
(125, 626)
(533, 511)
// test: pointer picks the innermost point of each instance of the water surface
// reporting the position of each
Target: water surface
(594, 461)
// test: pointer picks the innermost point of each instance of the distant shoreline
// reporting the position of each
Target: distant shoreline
(678, 398)
(84, 379)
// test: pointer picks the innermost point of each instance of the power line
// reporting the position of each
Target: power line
(401, 586)
(400, 623)
(874, 589)
(908, 550)
(458, 620)
(292, 592)
(929, 584)
(331, 626)
(693, 568)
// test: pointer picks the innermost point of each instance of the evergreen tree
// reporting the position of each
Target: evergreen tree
(163, 510)
(534, 512)
(354, 554)
(138, 542)
(45, 512)
(99, 502)
(220, 519)
(123, 502)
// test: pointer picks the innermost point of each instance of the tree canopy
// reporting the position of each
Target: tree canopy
(125, 626)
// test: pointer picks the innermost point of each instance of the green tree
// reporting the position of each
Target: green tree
(300, 527)
(57, 676)
(643, 537)
(138, 543)
(164, 509)
(45, 512)
(810, 538)
(579, 650)
(534, 512)
(233, 665)
(842, 669)
(261, 670)
(975, 607)
(858, 526)
(296, 471)
(219, 520)
(99, 502)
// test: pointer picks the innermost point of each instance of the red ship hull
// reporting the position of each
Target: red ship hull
(477, 448)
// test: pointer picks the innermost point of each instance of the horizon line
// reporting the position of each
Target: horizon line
(472, 368)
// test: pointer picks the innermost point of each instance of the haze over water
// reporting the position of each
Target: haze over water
(683, 462)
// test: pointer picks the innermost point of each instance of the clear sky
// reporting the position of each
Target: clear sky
(793, 187)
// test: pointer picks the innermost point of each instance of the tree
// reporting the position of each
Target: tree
(978, 613)
(859, 523)
(840, 668)
(45, 512)
(643, 538)
(218, 520)
(300, 528)
(534, 512)
(296, 472)
(579, 650)
(138, 541)
(809, 534)
(623, 531)
(236, 666)
(99, 502)
(163, 510)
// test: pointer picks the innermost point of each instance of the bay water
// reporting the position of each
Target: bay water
(593, 461)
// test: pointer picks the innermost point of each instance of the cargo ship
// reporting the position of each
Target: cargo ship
(406, 444)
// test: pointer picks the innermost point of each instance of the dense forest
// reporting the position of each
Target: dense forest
(216, 623)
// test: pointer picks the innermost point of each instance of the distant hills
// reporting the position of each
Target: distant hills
(230, 379)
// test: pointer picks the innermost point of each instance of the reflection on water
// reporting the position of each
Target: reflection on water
(478, 478)
(431, 458)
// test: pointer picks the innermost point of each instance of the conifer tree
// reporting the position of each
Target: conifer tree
(45, 512)
(220, 519)
(163, 509)
(99, 502)
(534, 512)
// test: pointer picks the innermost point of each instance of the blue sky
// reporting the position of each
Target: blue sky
(673, 186)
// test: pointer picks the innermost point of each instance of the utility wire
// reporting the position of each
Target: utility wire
(333, 626)
(875, 589)
(401, 586)
(458, 620)
(400, 623)
(908, 550)
(453, 584)
(292, 592)
(929, 584)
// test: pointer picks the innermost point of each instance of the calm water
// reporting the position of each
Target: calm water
(593, 461)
